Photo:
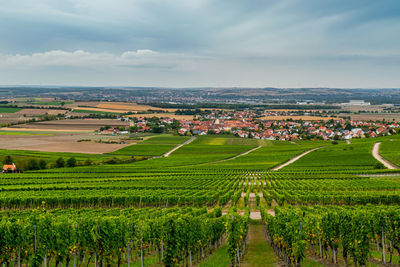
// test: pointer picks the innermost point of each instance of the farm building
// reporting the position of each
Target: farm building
(10, 168)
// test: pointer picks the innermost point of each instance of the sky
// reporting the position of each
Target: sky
(196, 43)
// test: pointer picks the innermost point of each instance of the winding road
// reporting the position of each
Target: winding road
(377, 156)
(294, 159)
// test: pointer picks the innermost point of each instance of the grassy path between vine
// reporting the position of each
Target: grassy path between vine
(258, 252)
(377, 156)
(294, 159)
(219, 258)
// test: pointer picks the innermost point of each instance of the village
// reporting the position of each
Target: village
(262, 125)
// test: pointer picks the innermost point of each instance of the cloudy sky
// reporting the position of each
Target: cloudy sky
(191, 43)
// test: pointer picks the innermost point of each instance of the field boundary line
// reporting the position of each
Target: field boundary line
(239, 155)
(179, 146)
(294, 159)
(222, 160)
(378, 157)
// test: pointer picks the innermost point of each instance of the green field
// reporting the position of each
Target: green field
(9, 110)
(195, 205)
(343, 157)
(390, 148)
(154, 146)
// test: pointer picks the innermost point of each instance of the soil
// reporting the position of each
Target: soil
(70, 125)
(58, 143)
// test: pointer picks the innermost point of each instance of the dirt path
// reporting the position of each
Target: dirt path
(377, 156)
(179, 146)
(258, 252)
(294, 159)
(242, 154)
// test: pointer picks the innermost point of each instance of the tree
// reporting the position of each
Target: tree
(133, 129)
(8, 160)
(32, 165)
(71, 162)
(42, 164)
(106, 127)
(175, 125)
(379, 165)
(60, 163)
(157, 129)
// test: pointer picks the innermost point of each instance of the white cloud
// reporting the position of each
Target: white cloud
(80, 58)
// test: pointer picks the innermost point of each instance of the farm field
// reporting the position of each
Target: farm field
(353, 157)
(390, 148)
(50, 141)
(306, 118)
(209, 195)
(380, 116)
(72, 125)
(154, 146)
(24, 114)
(9, 110)
(162, 115)
(121, 107)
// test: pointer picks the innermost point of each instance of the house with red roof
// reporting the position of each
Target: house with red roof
(10, 168)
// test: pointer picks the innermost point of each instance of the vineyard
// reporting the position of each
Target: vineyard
(203, 204)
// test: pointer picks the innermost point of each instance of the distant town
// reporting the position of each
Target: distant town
(250, 124)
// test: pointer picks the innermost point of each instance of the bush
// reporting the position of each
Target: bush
(112, 161)
(379, 165)
(42, 164)
(32, 165)
(8, 160)
(60, 163)
(71, 162)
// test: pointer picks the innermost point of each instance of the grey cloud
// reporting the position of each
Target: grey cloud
(203, 42)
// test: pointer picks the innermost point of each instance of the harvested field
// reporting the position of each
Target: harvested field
(304, 118)
(162, 115)
(58, 143)
(81, 125)
(131, 107)
(386, 116)
(49, 130)
(26, 114)
(120, 107)
(35, 112)
(10, 118)
(101, 110)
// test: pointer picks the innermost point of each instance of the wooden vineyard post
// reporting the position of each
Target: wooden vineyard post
(34, 238)
(320, 244)
(383, 246)
(128, 253)
(141, 247)
(162, 249)
(19, 256)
